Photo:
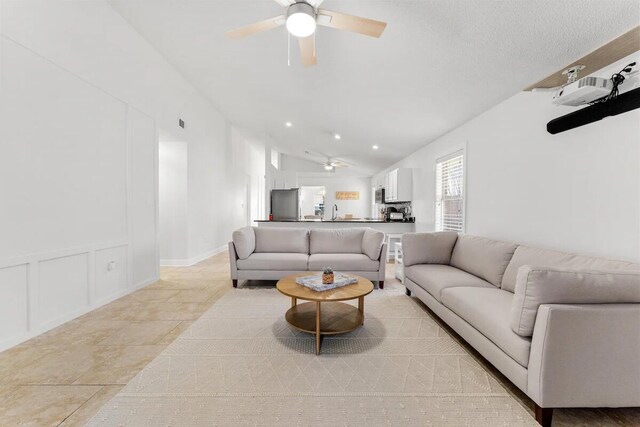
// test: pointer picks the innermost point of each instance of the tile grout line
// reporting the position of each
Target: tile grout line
(78, 408)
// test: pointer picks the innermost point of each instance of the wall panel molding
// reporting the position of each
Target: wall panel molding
(21, 281)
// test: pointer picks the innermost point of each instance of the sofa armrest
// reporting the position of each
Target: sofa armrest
(546, 285)
(428, 248)
(233, 261)
(585, 355)
(244, 240)
(383, 263)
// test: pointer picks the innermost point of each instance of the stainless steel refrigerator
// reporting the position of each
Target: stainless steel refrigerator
(285, 204)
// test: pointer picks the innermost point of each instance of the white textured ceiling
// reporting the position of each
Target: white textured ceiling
(438, 64)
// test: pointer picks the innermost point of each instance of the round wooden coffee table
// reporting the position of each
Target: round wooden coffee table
(325, 314)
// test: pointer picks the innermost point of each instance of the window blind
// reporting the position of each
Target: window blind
(450, 192)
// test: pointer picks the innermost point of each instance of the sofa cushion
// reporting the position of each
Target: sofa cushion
(244, 241)
(289, 240)
(372, 242)
(434, 278)
(482, 257)
(428, 248)
(544, 285)
(338, 240)
(526, 255)
(275, 261)
(488, 310)
(343, 262)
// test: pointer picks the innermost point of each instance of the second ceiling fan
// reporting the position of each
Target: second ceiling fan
(301, 19)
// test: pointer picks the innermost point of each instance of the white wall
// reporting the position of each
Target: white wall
(55, 168)
(173, 202)
(359, 208)
(576, 191)
(308, 196)
(81, 101)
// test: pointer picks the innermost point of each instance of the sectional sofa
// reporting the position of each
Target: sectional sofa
(272, 253)
(564, 328)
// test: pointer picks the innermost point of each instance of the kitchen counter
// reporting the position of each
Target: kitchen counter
(388, 227)
(375, 221)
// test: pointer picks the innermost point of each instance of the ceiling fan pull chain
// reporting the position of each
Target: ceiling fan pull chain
(288, 49)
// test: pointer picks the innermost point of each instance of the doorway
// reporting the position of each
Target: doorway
(172, 200)
(248, 202)
(312, 201)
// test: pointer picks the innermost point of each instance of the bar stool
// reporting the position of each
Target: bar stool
(389, 238)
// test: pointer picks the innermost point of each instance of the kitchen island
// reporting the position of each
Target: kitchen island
(387, 227)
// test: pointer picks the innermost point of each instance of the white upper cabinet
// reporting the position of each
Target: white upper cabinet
(399, 185)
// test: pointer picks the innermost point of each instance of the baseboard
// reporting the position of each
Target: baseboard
(191, 261)
(144, 283)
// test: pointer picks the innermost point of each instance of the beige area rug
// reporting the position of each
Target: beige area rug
(241, 364)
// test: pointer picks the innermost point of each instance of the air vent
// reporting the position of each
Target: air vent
(587, 81)
(593, 81)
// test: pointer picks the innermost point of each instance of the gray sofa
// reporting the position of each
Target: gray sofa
(272, 253)
(564, 328)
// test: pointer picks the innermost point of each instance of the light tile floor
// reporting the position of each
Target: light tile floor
(63, 377)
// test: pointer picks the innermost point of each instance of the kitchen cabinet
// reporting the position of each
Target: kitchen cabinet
(399, 185)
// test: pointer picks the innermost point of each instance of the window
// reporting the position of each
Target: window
(275, 159)
(450, 192)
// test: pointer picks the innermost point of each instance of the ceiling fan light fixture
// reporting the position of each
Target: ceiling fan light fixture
(328, 167)
(301, 19)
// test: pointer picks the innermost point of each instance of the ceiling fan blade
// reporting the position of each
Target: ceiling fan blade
(319, 158)
(256, 27)
(341, 21)
(314, 3)
(284, 3)
(307, 51)
(338, 162)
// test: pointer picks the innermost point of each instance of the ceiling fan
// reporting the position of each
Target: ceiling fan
(330, 164)
(302, 17)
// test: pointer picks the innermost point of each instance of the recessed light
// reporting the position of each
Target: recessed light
(375, 147)
(288, 124)
(337, 136)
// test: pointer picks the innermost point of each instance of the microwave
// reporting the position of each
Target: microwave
(380, 195)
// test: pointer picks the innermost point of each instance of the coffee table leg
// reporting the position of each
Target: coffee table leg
(318, 336)
(294, 301)
(361, 307)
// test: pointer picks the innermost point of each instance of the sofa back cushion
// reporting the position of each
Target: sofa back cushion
(244, 240)
(547, 285)
(482, 257)
(282, 240)
(336, 241)
(372, 242)
(526, 255)
(428, 248)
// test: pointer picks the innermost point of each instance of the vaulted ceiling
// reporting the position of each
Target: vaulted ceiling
(438, 64)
